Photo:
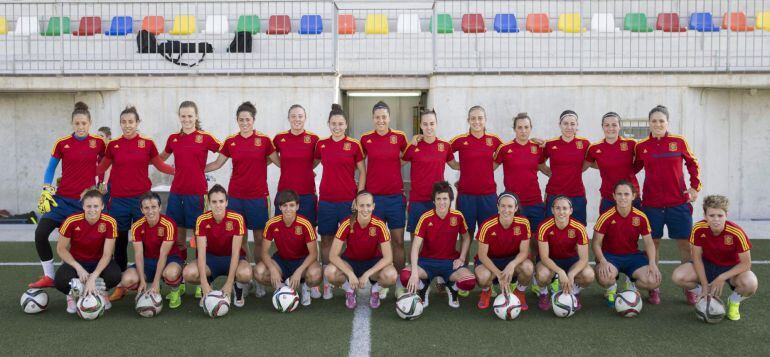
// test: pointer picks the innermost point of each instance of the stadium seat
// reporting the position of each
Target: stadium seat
(311, 25)
(154, 24)
(669, 22)
(346, 24)
(737, 22)
(603, 23)
(89, 26)
(183, 25)
(217, 24)
(473, 23)
(506, 23)
(376, 24)
(278, 25)
(26, 25)
(763, 20)
(408, 23)
(444, 22)
(636, 22)
(248, 23)
(570, 23)
(120, 26)
(702, 22)
(538, 23)
(57, 26)
(3, 25)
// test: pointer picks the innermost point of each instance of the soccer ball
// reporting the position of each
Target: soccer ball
(564, 305)
(628, 303)
(710, 309)
(91, 306)
(149, 304)
(34, 301)
(216, 304)
(409, 306)
(507, 306)
(285, 299)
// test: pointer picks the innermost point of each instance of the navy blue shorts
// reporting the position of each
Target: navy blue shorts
(66, 207)
(713, 271)
(330, 214)
(125, 210)
(500, 263)
(535, 214)
(288, 267)
(254, 211)
(184, 209)
(391, 209)
(361, 266)
(416, 210)
(566, 263)
(437, 267)
(151, 266)
(219, 265)
(628, 263)
(578, 208)
(476, 209)
(307, 207)
(677, 219)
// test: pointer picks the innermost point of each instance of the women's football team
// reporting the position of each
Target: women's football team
(526, 240)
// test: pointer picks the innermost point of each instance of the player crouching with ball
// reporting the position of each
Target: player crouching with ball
(86, 245)
(721, 253)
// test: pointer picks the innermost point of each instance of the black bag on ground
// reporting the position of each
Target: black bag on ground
(146, 42)
(172, 47)
(242, 43)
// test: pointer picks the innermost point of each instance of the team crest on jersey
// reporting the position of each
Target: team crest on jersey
(92, 143)
(579, 145)
(199, 138)
(228, 226)
(306, 139)
(346, 146)
(571, 233)
(441, 147)
(516, 231)
(728, 240)
(372, 231)
(393, 139)
(623, 146)
(533, 149)
(490, 142)
(636, 221)
(257, 141)
(453, 221)
(102, 228)
(141, 144)
(672, 147)
(161, 231)
(298, 230)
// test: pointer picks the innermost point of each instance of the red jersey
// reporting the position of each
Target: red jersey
(219, 235)
(520, 164)
(566, 162)
(615, 162)
(78, 163)
(477, 176)
(339, 158)
(87, 240)
(428, 163)
(662, 160)
(249, 177)
(562, 243)
(363, 243)
(503, 242)
(290, 242)
(383, 161)
(621, 234)
(130, 161)
(152, 237)
(439, 236)
(297, 154)
(720, 249)
(190, 153)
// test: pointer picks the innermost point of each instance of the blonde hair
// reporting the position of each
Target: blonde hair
(716, 202)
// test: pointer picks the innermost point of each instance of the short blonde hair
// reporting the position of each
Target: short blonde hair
(716, 202)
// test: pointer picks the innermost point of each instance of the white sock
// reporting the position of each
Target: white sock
(305, 287)
(736, 298)
(376, 287)
(543, 290)
(422, 285)
(614, 287)
(521, 287)
(48, 268)
(346, 286)
(577, 289)
(696, 290)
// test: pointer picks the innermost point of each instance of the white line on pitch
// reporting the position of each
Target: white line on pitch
(361, 337)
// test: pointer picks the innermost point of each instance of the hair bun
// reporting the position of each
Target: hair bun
(81, 106)
(336, 107)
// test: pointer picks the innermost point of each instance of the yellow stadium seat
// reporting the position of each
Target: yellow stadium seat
(763, 20)
(3, 25)
(570, 23)
(183, 25)
(376, 24)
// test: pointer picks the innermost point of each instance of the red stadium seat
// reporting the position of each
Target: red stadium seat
(346, 24)
(154, 24)
(538, 23)
(473, 23)
(737, 22)
(89, 26)
(669, 22)
(279, 25)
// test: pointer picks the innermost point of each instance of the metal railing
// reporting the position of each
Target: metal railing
(391, 38)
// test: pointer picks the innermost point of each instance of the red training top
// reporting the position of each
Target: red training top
(720, 249)
(566, 162)
(363, 243)
(477, 176)
(297, 153)
(383, 161)
(79, 159)
(190, 153)
(130, 161)
(562, 243)
(87, 240)
(621, 234)
(503, 242)
(249, 154)
(219, 235)
(339, 158)
(440, 235)
(615, 162)
(290, 242)
(662, 160)
(428, 163)
(520, 164)
(152, 237)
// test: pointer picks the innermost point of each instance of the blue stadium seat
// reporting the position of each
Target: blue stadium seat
(702, 22)
(506, 23)
(121, 26)
(311, 25)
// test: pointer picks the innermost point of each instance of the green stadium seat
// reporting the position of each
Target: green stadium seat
(636, 22)
(57, 26)
(444, 22)
(248, 23)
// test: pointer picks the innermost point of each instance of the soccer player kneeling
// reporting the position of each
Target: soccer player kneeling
(434, 249)
(721, 253)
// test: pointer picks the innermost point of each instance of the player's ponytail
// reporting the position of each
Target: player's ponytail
(522, 116)
(81, 109)
(354, 210)
(131, 110)
(337, 110)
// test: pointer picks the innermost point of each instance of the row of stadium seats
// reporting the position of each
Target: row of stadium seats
(378, 24)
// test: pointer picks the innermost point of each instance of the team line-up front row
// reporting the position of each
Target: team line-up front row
(378, 157)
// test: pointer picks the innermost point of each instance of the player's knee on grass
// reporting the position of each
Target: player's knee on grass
(243, 272)
(746, 283)
(313, 274)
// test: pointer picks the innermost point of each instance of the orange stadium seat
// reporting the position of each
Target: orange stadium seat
(346, 24)
(154, 24)
(538, 23)
(737, 21)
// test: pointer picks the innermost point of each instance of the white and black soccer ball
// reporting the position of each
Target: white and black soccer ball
(507, 306)
(216, 304)
(563, 304)
(34, 301)
(285, 299)
(148, 304)
(710, 309)
(409, 306)
(628, 303)
(91, 306)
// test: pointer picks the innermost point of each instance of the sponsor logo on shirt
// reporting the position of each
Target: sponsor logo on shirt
(284, 140)
(510, 151)
(728, 240)
(66, 146)
(416, 149)
(623, 146)
(372, 231)
(579, 145)
(232, 144)
(368, 141)
(516, 231)
(161, 231)
(141, 144)
(613, 222)
(92, 143)
(323, 146)
(393, 139)
(297, 230)
(199, 138)
(306, 139)
(101, 228)
(554, 147)
(453, 221)
(77, 229)
(645, 151)
(258, 142)
(116, 146)
(598, 151)
(672, 147)
(636, 221)
(465, 143)
(571, 233)
(228, 226)
(346, 146)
